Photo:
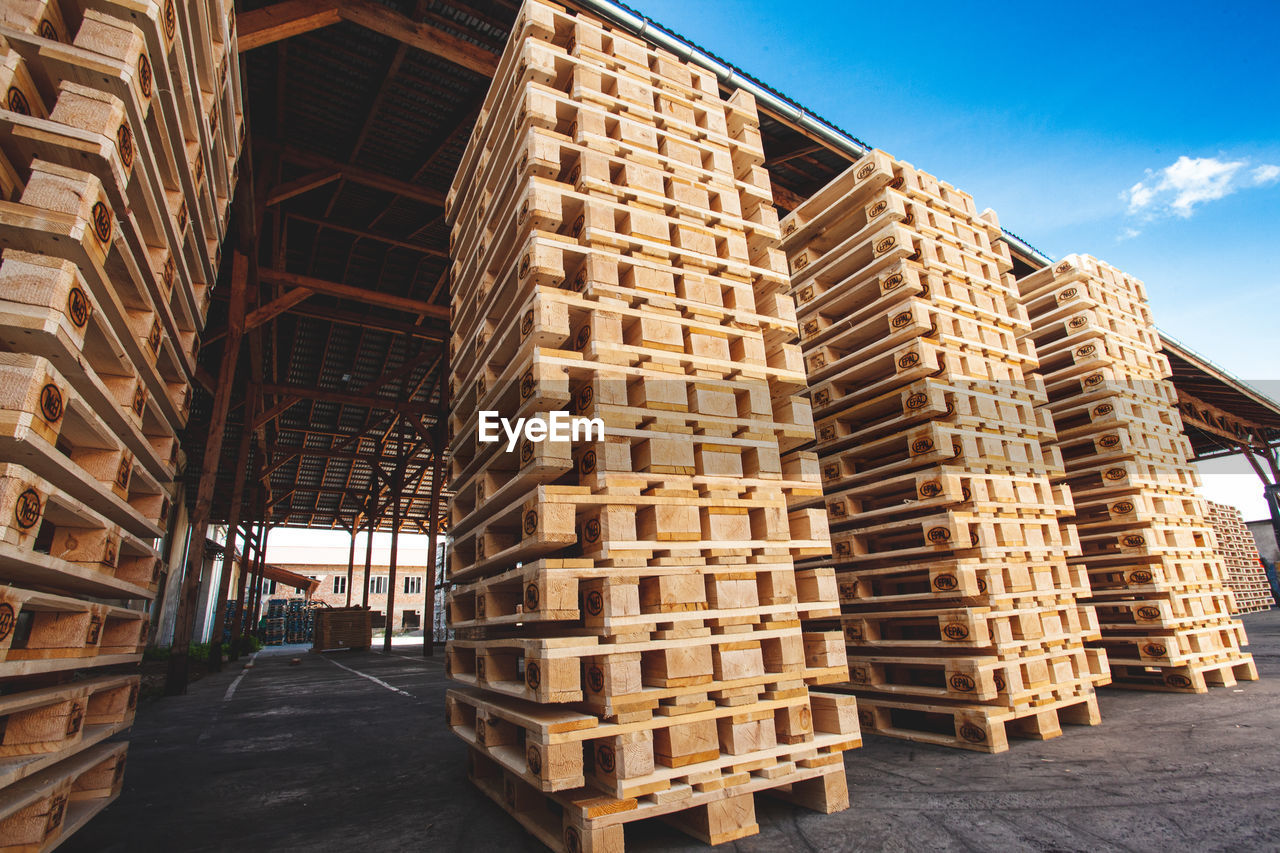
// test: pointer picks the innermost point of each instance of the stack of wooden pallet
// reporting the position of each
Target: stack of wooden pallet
(959, 608)
(1147, 545)
(626, 607)
(1246, 576)
(119, 135)
(342, 628)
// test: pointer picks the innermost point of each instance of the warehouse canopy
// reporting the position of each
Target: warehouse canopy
(1222, 414)
(358, 114)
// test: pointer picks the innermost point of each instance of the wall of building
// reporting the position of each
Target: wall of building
(409, 605)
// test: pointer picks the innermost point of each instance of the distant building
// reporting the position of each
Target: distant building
(411, 585)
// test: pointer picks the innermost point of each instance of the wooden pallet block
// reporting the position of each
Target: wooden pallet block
(21, 96)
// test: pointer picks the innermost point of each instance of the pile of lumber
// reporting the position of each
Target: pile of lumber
(1146, 541)
(626, 609)
(1246, 576)
(959, 608)
(119, 135)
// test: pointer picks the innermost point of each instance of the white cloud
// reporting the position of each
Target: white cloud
(1128, 234)
(1176, 189)
(1266, 175)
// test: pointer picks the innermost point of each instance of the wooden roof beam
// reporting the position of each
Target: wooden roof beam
(305, 184)
(279, 21)
(291, 18)
(356, 294)
(357, 174)
(424, 37)
(369, 235)
(344, 399)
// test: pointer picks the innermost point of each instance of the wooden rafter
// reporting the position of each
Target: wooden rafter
(358, 174)
(356, 294)
(369, 235)
(291, 18)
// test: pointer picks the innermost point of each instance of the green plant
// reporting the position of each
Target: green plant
(196, 652)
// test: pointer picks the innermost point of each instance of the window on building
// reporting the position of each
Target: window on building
(339, 584)
(268, 586)
(378, 585)
(412, 584)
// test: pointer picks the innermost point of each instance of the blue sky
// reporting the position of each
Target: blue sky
(1051, 114)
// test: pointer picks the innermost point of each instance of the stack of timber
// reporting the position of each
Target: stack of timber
(119, 133)
(1246, 576)
(959, 608)
(626, 610)
(1146, 541)
(342, 628)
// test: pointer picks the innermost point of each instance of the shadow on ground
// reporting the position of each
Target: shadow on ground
(351, 751)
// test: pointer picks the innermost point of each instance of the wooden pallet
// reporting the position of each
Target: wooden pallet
(47, 309)
(48, 633)
(975, 727)
(55, 434)
(622, 601)
(561, 750)
(48, 538)
(47, 725)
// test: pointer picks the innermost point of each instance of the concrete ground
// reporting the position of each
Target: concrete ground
(350, 751)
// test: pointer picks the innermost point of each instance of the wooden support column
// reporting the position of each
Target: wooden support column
(397, 488)
(433, 516)
(368, 548)
(229, 551)
(1270, 477)
(179, 664)
(246, 604)
(242, 583)
(258, 581)
(351, 557)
